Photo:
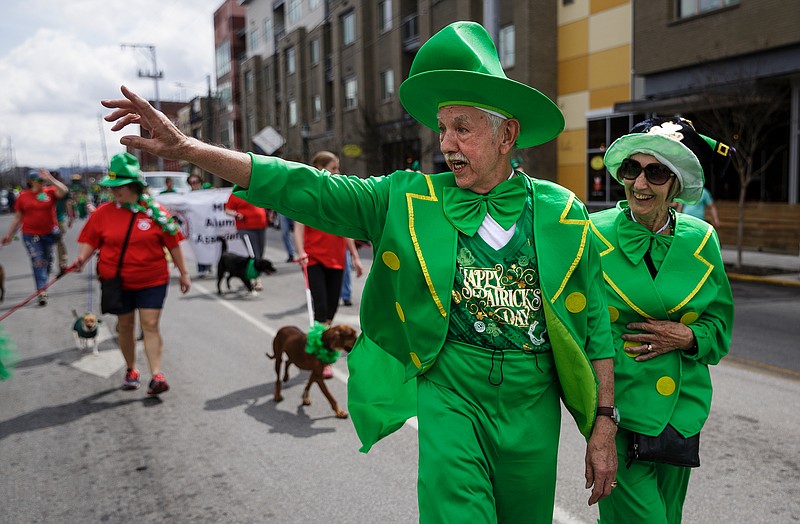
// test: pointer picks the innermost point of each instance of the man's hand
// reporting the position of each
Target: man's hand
(601, 459)
(166, 140)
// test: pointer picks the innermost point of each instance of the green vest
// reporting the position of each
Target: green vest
(691, 287)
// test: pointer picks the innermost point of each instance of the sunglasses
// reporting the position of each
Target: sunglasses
(657, 174)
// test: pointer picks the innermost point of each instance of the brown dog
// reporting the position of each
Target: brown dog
(291, 341)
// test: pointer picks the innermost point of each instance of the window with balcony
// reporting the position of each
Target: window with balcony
(387, 85)
(384, 15)
(350, 93)
(507, 46)
(291, 61)
(349, 28)
(292, 112)
(687, 8)
(313, 51)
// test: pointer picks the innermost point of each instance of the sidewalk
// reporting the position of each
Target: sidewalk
(787, 266)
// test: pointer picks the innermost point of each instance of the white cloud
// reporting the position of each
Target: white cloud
(59, 59)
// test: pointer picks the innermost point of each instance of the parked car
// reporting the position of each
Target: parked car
(4, 201)
(157, 181)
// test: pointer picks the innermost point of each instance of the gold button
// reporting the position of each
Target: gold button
(400, 313)
(391, 260)
(665, 386)
(613, 313)
(688, 318)
(575, 302)
(415, 360)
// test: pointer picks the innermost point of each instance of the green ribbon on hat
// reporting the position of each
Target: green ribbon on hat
(466, 210)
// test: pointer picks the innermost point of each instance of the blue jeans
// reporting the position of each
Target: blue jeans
(287, 225)
(40, 249)
(347, 289)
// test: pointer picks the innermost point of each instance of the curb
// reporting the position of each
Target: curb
(764, 280)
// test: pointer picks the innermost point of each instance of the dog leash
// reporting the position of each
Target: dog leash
(91, 285)
(38, 291)
(309, 301)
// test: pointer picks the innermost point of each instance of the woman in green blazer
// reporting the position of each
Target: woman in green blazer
(670, 306)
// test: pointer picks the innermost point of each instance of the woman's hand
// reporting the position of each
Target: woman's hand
(186, 283)
(658, 337)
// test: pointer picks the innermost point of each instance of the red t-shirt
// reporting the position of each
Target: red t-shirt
(252, 217)
(38, 211)
(323, 248)
(144, 264)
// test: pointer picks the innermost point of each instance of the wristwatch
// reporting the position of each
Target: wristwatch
(609, 411)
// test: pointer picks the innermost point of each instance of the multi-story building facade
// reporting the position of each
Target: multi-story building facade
(324, 74)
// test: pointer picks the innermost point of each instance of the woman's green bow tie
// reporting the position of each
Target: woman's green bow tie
(466, 210)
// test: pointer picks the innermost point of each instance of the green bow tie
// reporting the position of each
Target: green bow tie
(635, 239)
(466, 210)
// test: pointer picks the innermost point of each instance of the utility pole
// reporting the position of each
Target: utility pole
(155, 74)
(103, 142)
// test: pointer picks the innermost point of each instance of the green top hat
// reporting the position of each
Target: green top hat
(124, 170)
(459, 66)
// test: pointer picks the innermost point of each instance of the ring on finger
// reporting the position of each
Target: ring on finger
(649, 348)
(613, 484)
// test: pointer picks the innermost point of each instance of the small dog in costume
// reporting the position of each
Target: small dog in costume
(245, 268)
(85, 331)
(311, 352)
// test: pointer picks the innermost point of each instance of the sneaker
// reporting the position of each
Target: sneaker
(158, 385)
(347, 302)
(42, 299)
(131, 380)
(327, 372)
(290, 259)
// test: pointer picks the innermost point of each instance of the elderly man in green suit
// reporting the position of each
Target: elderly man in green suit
(485, 302)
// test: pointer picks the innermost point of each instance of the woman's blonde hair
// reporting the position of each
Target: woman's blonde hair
(322, 159)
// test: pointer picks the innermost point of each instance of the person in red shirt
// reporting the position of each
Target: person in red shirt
(251, 222)
(324, 254)
(145, 272)
(35, 211)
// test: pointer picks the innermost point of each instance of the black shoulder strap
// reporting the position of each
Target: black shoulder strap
(125, 244)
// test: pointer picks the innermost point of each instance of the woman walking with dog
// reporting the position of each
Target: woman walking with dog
(131, 234)
(35, 214)
(324, 255)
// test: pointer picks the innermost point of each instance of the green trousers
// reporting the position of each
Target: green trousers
(489, 425)
(646, 493)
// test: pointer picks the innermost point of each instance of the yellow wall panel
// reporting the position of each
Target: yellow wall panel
(573, 177)
(574, 11)
(573, 75)
(609, 68)
(602, 98)
(572, 147)
(610, 29)
(595, 6)
(573, 39)
(574, 107)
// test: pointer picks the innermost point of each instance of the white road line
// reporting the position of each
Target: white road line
(560, 516)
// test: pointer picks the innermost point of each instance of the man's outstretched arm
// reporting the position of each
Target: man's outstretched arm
(167, 141)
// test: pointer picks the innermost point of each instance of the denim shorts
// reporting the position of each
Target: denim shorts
(147, 298)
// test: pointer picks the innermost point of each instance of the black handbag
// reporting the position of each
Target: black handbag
(670, 447)
(111, 289)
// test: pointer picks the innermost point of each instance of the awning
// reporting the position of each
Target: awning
(687, 103)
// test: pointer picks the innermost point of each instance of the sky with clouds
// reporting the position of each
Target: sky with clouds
(59, 59)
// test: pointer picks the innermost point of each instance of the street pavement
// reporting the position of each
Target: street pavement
(217, 448)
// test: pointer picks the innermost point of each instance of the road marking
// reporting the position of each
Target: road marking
(769, 369)
(560, 516)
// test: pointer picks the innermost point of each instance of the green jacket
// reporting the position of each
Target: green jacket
(691, 287)
(406, 299)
